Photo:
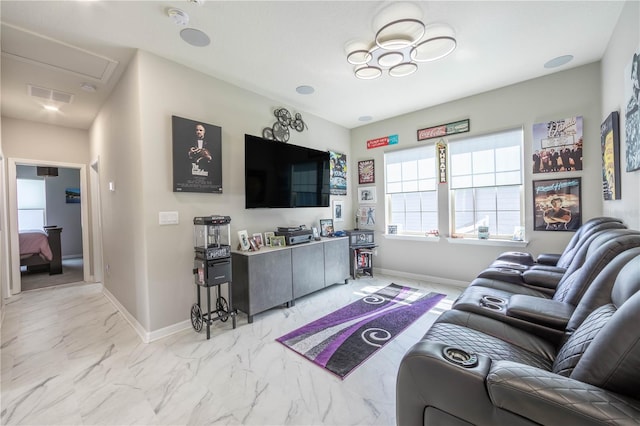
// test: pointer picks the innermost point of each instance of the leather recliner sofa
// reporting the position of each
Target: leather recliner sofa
(472, 369)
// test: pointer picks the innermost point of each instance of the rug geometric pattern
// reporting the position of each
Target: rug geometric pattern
(344, 339)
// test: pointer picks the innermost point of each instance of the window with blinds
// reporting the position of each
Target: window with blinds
(410, 188)
(486, 183)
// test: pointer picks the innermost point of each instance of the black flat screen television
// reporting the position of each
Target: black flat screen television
(281, 175)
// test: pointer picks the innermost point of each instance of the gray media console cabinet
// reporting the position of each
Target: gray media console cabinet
(274, 276)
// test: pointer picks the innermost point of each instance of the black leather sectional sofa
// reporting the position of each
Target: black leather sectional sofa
(511, 353)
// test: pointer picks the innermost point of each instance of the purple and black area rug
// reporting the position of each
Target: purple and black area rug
(344, 339)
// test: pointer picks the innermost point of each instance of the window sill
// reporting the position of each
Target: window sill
(489, 242)
(411, 238)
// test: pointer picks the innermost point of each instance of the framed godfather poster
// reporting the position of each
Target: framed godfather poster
(197, 156)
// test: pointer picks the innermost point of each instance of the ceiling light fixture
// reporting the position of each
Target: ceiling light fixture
(52, 108)
(401, 41)
(305, 90)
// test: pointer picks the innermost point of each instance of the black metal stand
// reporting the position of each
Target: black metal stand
(222, 311)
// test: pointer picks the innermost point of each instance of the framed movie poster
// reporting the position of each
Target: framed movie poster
(366, 172)
(557, 145)
(632, 112)
(197, 156)
(557, 204)
(610, 142)
(366, 217)
(337, 173)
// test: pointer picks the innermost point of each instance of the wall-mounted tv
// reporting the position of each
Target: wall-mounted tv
(281, 175)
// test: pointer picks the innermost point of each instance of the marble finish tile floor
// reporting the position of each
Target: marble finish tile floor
(68, 357)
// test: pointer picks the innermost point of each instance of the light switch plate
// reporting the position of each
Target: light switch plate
(168, 218)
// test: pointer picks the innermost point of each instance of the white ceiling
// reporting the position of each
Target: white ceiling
(271, 47)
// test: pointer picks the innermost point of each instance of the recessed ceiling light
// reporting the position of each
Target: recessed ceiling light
(305, 90)
(51, 108)
(365, 118)
(195, 37)
(559, 61)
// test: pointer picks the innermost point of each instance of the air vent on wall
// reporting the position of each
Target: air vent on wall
(49, 94)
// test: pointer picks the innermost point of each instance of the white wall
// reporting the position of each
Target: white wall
(132, 137)
(115, 139)
(565, 94)
(624, 42)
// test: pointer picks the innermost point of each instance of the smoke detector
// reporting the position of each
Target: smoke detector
(179, 17)
(198, 2)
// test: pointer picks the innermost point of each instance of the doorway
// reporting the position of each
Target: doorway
(78, 260)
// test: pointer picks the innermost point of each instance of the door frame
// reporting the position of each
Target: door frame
(15, 287)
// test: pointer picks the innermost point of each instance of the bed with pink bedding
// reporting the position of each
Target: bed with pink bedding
(41, 250)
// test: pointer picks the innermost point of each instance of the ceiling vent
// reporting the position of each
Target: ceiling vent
(49, 94)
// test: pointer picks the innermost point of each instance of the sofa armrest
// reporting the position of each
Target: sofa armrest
(546, 312)
(425, 379)
(548, 259)
(540, 278)
(547, 398)
(427, 383)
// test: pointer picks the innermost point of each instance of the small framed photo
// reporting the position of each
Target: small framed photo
(367, 194)
(254, 245)
(278, 241)
(316, 234)
(267, 238)
(326, 227)
(257, 237)
(366, 172)
(338, 211)
(392, 229)
(243, 236)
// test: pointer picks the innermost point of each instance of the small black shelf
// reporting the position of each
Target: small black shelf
(361, 248)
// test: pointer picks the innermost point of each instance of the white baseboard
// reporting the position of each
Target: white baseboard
(145, 336)
(420, 277)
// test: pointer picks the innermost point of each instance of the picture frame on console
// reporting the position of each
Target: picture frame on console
(258, 239)
(278, 241)
(267, 238)
(243, 237)
(326, 227)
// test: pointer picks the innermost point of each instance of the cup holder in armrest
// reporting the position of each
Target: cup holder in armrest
(460, 357)
(493, 302)
(494, 299)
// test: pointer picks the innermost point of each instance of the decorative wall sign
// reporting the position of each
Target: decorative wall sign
(197, 156)
(632, 112)
(557, 204)
(366, 172)
(610, 142)
(440, 130)
(441, 151)
(338, 173)
(383, 141)
(557, 145)
(280, 129)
